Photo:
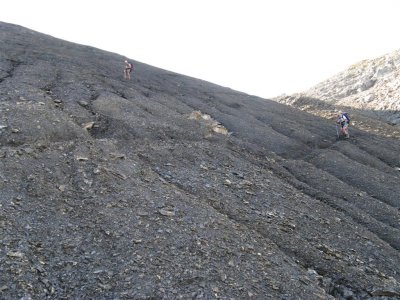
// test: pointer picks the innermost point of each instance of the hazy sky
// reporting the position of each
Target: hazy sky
(261, 47)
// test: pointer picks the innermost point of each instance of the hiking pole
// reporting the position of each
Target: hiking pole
(337, 131)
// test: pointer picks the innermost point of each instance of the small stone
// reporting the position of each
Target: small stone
(105, 286)
(83, 103)
(166, 212)
(88, 125)
(250, 193)
(28, 150)
(117, 156)
(228, 182)
(163, 180)
(40, 269)
(220, 129)
(239, 175)
(15, 254)
(246, 182)
(143, 214)
(3, 288)
(347, 294)
(385, 293)
(81, 158)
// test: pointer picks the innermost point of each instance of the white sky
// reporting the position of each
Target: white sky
(261, 47)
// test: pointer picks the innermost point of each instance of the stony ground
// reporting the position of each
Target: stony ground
(168, 187)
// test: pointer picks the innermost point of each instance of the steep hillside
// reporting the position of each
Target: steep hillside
(370, 90)
(169, 187)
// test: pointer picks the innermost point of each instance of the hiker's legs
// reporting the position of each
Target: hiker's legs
(346, 130)
(127, 74)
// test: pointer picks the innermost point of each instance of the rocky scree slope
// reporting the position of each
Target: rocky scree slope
(369, 90)
(169, 187)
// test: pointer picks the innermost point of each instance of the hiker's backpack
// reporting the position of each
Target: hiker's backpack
(346, 115)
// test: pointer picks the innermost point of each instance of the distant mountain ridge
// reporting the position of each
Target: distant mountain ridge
(370, 88)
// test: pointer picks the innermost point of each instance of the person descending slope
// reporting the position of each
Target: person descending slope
(128, 70)
(343, 120)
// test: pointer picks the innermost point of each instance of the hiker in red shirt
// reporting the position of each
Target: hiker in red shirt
(128, 70)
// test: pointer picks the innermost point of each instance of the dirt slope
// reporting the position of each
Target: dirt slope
(169, 187)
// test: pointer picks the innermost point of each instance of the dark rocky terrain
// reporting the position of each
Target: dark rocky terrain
(169, 187)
